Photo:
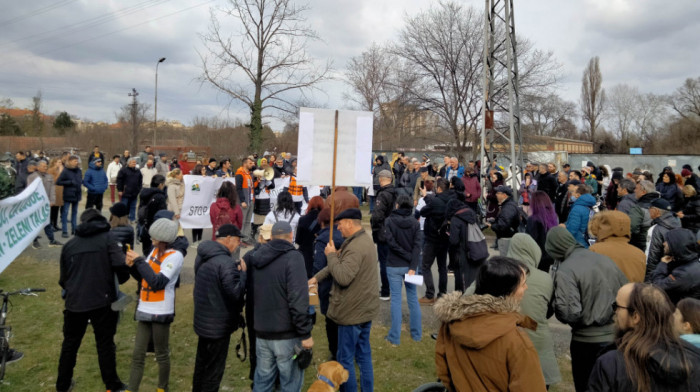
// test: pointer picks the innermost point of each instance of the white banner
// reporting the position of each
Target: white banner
(200, 194)
(22, 217)
(315, 147)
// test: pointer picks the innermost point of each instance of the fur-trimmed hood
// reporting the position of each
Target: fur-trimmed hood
(477, 320)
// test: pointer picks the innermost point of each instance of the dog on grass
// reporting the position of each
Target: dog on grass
(330, 375)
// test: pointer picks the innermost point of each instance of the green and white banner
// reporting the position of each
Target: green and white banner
(22, 217)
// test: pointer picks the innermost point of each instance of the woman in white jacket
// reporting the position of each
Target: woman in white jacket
(112, 171)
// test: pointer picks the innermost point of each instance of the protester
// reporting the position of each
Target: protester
(89, 262)
(96, 154)
(581, 212)
(151, 200)
(307, 230)
(96, 182)
(261, 204)
(541, 219)
(639, 214)
(690, 178)
(455, 169)
(626, 192)
(669, 190)
(219, 288)
(162, 166)
(147, 172)
(284, 211)
(71, 179)
(176, 192)
(611, 195)
(472, 188)
(528, 186)
(663, 220)
(612, 232)
(324, 287)
(547, 182)
(21, 162)
(508, 219)
(280, 311)
(112, 172)
(300, 194)
(342, 199)
(479, 346)
(436, 241)
(585, 283)
(121, 228)
(561, 197)
(690, 216)
(385, 200)
(468, 241)
(124, 160)
(678, 273)
(47, 183)
(55, 169)
(403, 235)
(129, 184)
(244, 184)
(648, 354)
(354, 301)
(225, 210)
(687, 319)
(156, 308)
(496, 180)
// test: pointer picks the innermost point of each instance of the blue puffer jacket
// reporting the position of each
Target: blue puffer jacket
(577, 223)
(95, 179)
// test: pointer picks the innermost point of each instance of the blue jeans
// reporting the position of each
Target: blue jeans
(396, 276)
(73, 217)
(131, 204)
(382, 254)
(372, 200)
(48, 230)
(357, 191)
(276, 357)
(353, 345)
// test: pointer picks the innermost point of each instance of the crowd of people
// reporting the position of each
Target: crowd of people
(612, 254)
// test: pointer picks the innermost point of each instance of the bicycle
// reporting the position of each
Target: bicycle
(8, 355)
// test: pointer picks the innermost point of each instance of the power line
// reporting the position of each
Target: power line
(35, 12)
(72, 28)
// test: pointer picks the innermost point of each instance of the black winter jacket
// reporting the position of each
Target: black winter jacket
(537, 230)
(155, 199)
(434, 214)
(124, 235)
(71, 180)
(88, 264)
(129, 181)
(681, 277)
(320, 262)
(281, 292)
(661, 226)
(218, 291)
(508, 219)
(404, 237)
(472, 251)
(664, 366)
(691, 214)
(386, 198)
(307, 229)
(547, 183)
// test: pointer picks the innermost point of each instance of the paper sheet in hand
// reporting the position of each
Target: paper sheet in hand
(414, 279)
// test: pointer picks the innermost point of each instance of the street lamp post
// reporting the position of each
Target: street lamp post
(155, 115)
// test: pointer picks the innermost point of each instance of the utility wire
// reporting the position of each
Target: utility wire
(35, 12)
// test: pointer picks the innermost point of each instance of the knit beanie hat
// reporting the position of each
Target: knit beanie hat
(559, 243)
(163, 230)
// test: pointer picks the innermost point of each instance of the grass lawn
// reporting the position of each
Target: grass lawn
(37, 326)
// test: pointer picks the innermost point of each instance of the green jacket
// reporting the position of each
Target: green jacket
(354, 270)
(535, 303)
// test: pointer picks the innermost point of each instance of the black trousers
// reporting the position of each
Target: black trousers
(54, 215)
(94, 200)
(209, 364)
(583, 357)
(432, 250)
(197, 235)
(104, 325)
(457, 267)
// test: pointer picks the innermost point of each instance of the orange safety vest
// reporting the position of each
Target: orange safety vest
(147, 293)
(294, 189)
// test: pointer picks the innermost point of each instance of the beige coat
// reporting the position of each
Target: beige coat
(176, 194)
(612, 232)
(355, 273)
(55, 172)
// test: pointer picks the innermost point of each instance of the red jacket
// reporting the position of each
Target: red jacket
(218, 211)
(472, 187)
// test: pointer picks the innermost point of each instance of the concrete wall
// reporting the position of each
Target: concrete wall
(653, 163)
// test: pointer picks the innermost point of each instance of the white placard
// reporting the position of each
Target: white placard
(315, 147)
(200, 194)
(414, 279)
(22, 218)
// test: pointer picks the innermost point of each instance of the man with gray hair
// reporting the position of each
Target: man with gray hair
(455, 169)
(47, 182)
(645, 192)
(625, 191)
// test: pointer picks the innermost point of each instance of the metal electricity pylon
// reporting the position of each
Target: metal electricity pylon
(501, 110)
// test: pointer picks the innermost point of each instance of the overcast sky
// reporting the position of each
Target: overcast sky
(85, 56)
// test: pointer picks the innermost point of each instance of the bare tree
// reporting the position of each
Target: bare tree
(592, 96)
(369, 77)
(545, 115)
(265, 62)
(622, 106)
(443, 49)
(686, 100)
